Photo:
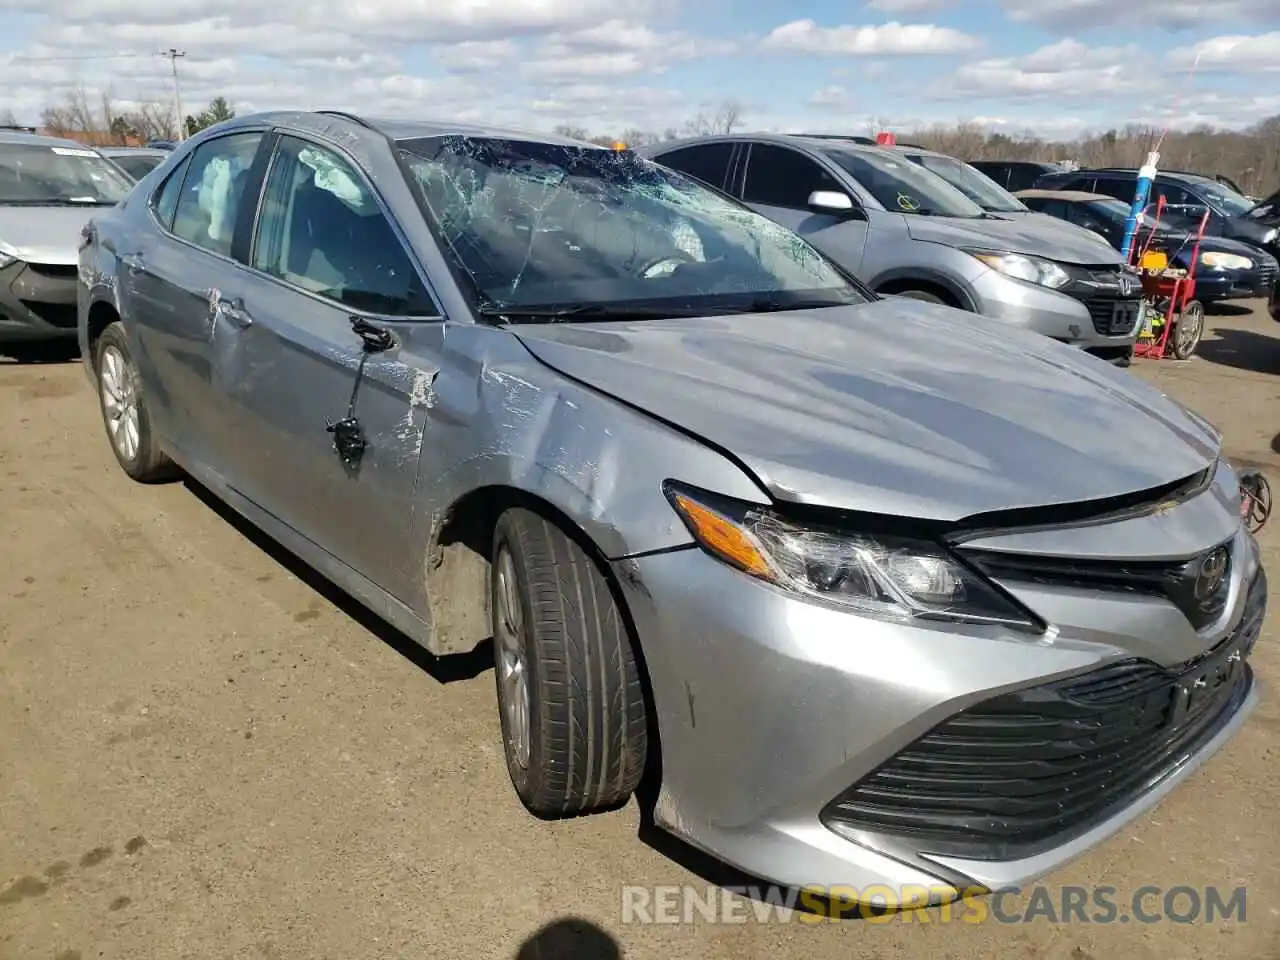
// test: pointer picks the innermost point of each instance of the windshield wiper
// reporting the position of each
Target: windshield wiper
(583, 311)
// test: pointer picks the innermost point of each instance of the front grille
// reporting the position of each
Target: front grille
(55, 271)
(1266, 275)
(55, 314)
(1113, 317)
(1175, 580)
(1029, 770)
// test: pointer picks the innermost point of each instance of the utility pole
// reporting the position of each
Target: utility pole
(172, 56)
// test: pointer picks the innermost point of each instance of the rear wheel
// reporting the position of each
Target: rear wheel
(124, 410)
(570, 699)
(1187, 330)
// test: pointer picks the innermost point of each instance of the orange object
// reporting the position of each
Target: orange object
(887, 139)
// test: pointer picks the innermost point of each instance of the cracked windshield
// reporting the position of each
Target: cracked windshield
(549, 231)
(33, 175)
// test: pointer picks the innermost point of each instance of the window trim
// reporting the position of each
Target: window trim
(859, 211)
(179, 175)
(185, 164)
(283, 133)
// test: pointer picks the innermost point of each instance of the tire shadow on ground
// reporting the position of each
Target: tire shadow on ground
(1242, 350)
(462, 666)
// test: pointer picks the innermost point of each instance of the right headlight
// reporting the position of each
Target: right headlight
(889, 577)
(1270, 235)
(1020, 266)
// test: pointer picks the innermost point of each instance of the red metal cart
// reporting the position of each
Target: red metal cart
(1173, 320)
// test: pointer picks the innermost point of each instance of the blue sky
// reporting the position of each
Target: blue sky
(1053, 66)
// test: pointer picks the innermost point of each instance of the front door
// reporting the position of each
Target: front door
(777, 185)
(168, 276)
(291, 365)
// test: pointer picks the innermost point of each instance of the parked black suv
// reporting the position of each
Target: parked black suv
(1186, 194)
(1015, 175)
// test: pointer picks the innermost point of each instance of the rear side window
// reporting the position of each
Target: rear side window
(1019, 177)
(708, 163)
(213, 190)
(165, 200)
(1117, 187)
(779, 177)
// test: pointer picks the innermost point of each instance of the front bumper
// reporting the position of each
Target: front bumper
(1212, 285)
(37, 302)
(773, 712)
(1103, 323)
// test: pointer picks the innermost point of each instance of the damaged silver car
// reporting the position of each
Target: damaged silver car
(864, 594)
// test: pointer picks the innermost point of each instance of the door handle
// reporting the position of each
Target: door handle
(232, 310)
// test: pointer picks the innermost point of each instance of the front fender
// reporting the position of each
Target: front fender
(500, 417)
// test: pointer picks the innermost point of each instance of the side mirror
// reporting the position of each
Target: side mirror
(831, 201)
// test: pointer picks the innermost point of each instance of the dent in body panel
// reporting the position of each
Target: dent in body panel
(501, 419)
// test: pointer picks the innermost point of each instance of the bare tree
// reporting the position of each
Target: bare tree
(572, 132)
(726, 119)
(154, 121)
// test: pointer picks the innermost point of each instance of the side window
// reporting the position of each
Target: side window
(781, 177)
(1019, 178)
(212, 191)
(165, 200)
(1080, 214)
(1056, 208)
(1117, 187)
(708, 163)
(320, 228)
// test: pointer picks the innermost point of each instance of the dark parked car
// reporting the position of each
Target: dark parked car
(1014, 175)
(137, 162)
(1275, 302)
(1228, 270)
(1186, 194)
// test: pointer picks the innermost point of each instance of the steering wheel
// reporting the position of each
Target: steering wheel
(664, 265)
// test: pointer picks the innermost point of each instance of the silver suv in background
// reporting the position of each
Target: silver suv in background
(905, 231)
(49, 188)
(137, 162)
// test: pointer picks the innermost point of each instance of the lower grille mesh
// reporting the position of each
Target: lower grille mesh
(1027, 770)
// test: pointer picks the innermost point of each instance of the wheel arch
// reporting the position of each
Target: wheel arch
(936, 284)
(458, 570)
(102, 313)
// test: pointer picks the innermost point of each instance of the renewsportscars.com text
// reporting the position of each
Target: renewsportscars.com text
(1147, 904)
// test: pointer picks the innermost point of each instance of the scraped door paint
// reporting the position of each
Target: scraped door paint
(285, 376)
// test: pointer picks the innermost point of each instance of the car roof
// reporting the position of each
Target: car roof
(1071, 196)
(40, 140)
(329, 122)
(818, 143)
(132, 152)
(1018, 163)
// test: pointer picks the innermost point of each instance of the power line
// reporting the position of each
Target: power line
(88, 56)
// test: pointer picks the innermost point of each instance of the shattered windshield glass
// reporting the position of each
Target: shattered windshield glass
(564, 230)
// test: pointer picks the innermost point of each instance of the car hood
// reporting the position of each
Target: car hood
(44, 234)
(894, 407)
(1036, 236)
(1186, 242)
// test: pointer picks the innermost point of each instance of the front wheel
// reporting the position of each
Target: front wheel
(924, 295)
(124, 410)
(1188, 328)
(570, 699)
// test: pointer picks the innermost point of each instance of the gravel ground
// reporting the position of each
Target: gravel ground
(206, 753)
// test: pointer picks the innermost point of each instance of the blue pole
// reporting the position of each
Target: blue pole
(1145, 176)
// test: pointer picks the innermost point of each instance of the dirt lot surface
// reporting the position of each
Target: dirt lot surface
(204, 753)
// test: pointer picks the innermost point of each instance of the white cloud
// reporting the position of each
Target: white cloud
(833, 96)
(889, 39)
(1151, 14)
(1066, 71)
(1231, 54)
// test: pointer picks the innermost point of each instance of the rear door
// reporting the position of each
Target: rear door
(168, 276)
(291, 367)
(708, 162)
(777, 183)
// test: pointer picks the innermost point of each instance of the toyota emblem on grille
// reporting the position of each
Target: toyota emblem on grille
(1213, 571)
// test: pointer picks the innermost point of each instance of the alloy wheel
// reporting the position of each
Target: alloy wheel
(510, 649)
(120, 401)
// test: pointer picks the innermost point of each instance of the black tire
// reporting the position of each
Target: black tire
(1188, 328)
(586, 730)
(924, 295)
(145, 461)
